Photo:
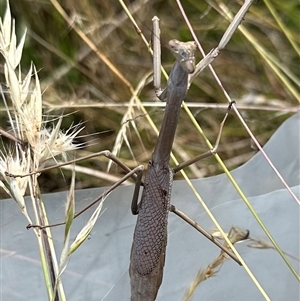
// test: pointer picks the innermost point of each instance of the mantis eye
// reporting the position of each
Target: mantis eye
(183, 54)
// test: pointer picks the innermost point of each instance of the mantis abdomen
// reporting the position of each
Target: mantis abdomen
(150, 236)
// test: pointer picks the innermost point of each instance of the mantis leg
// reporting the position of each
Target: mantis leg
(138, 183)
(208, 153)
(184, 216)
(156, 56)
(135, 173)
(203, 232)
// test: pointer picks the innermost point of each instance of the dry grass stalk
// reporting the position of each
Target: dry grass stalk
(27, 122)
(235, 235)
(261, 243)
(35, 143)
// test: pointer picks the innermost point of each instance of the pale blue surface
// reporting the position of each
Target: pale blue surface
(99, 269)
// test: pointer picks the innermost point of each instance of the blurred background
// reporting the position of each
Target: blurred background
(80, 85)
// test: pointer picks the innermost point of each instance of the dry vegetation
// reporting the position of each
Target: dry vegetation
(75, 81)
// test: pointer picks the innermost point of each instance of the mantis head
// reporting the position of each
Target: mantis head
(184, 53)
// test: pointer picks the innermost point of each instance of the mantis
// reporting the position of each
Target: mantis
(150, 235)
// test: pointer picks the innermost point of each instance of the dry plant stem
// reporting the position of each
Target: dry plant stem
(203, 232)
(44, 266)
(137, 28)
(83, 53)
(45, 241)
(265, 155)
(284, 74)
(58, 288)
(91, 44)
(105, 153)
(44, 251)
(11, 137)
(260, 243)
(208, 59)
(66, 252)
(128, 115)
(42, 219)
(95, 173)
(204, 105)
(282, 26)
